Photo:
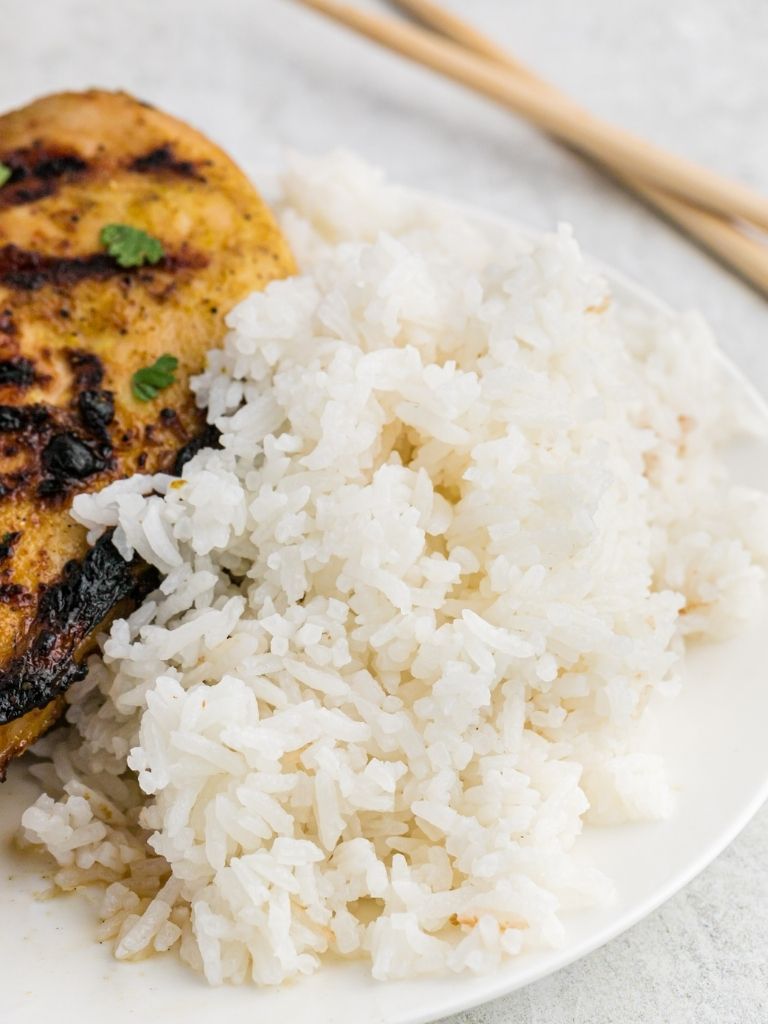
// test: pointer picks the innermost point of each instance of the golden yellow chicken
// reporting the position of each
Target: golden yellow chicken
(125, 238)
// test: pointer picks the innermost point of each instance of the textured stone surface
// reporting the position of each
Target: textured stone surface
(262, 74)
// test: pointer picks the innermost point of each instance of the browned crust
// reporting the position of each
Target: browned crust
(74, 327)
(17, 736)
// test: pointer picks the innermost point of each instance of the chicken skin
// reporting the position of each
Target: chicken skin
(81, 323)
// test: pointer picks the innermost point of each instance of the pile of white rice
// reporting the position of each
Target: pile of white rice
(414, 612)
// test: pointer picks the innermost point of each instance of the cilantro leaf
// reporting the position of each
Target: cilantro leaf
(5, 174)
(149, 380)
(131, 247)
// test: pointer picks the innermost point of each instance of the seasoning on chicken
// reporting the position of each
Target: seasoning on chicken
(125, 237)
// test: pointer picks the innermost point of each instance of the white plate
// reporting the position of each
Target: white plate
(718, 759)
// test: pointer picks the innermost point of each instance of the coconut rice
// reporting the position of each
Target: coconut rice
(415, 613)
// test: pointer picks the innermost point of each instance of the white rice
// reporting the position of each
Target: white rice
(417, 609)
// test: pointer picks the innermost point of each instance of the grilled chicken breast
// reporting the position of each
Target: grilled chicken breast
(75, 326)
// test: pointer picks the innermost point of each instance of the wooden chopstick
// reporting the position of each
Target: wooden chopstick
(557, 114)
(453, 27)
(744, 254)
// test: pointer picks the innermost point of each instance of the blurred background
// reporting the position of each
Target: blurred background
(262, 75)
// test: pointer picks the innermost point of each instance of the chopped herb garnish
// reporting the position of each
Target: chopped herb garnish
(149, 380)
(5, 174)
(131, 247)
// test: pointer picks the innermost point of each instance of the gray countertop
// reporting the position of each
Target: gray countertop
(690, 74)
